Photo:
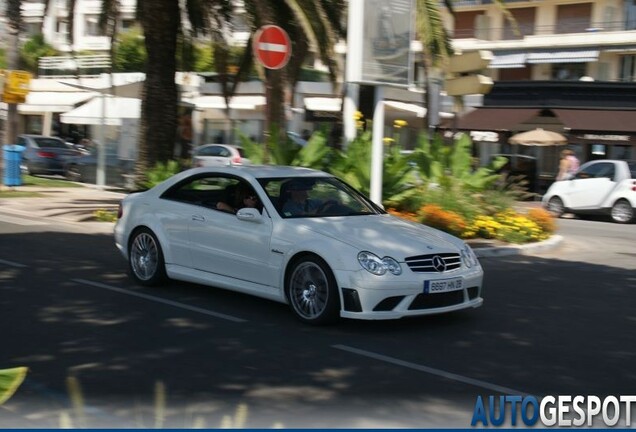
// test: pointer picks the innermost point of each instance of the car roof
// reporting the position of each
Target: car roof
(249, 172)
(216, 145)
(263, 171)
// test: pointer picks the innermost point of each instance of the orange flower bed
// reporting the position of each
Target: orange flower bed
(436, 217)
(543, 218)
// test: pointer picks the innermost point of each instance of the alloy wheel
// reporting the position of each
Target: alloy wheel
(309, 290)
(144, 256)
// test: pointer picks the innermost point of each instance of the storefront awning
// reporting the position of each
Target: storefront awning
(323, 104)
(495, 118)
(508, 61)
(569, 56)
(117, 108)
(57, 102)
(236, 102)
(598, 120)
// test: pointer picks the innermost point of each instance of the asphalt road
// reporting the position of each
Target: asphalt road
(557, 323)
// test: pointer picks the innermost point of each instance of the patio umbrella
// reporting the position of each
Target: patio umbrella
(538, 137)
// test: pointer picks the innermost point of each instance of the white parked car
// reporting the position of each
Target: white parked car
(338, 255)
(218, 155)
(598, 187)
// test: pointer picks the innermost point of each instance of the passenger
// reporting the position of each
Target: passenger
(243, 197)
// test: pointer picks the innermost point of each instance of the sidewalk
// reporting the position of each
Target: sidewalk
(77, 205)
(74, 204)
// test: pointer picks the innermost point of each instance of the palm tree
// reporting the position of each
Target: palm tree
(14, 23)
(314, 26)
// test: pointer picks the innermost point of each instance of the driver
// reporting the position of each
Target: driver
(299, 202)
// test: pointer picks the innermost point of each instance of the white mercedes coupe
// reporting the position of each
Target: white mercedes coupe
(298, 236)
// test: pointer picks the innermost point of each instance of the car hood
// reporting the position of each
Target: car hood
(383, 235)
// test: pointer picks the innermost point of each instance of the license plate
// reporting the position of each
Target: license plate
(443, 285)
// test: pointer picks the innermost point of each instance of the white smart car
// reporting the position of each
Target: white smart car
(304, 238)
(598, 187)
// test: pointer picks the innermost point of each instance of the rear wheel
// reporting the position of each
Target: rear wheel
(312, 292)
(145, 258)
(556, 207)
(622, 211)
(73, 174)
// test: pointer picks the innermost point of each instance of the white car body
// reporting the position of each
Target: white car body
(217, 155)
(598, 187)
(251, 252)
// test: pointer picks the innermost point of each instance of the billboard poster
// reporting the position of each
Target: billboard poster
(388, 32)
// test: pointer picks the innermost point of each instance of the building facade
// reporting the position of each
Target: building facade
(565, 66)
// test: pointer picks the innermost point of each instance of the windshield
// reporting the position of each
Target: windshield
(297, 197)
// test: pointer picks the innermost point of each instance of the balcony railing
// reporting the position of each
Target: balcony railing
(564, 27)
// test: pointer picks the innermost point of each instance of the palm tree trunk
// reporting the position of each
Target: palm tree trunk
(158, 124)
(14, 21)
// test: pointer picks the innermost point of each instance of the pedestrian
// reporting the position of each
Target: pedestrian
(568, 165)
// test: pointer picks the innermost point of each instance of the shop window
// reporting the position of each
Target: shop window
(622, 152)
(568, 71)
(627, 68)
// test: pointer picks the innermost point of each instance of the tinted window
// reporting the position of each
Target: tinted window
(205, 191)
(209, 151)
(241, 152)
(598, 170)
(50, 143)
(324, 196)
(632, 169)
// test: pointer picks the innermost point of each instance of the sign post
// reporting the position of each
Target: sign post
(272, 47)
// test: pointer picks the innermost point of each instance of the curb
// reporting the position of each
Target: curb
(498, 251)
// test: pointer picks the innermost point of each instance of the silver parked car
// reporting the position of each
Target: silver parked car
(45, 155)
(218, 155)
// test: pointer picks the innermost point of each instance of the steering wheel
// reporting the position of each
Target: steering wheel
(322, 208)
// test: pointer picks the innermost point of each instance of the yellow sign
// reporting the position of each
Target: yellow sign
(17, 82)
(12, 98)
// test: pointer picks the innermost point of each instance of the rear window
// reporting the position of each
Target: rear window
(50, 143)
(632, 168)
(241, 152)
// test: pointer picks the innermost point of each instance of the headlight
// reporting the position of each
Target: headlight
(373, 264)
(468, 257)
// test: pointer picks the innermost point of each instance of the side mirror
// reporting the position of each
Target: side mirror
(249, 215)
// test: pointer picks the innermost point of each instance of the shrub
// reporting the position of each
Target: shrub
(516, 228)
(543, 218)
(436, 217)
(410, 216)
(161, 172)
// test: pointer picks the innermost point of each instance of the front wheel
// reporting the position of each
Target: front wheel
(145, 258)
(622, 211)
(312, 292)
(556, 207)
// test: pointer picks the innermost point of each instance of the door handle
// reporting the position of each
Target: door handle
(198, 218)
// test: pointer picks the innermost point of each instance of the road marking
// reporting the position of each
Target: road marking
(438, 372)
(12, 263)
(161, 300)
(19, 221)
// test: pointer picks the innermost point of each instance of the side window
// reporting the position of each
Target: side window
(22, 141)
(597, 170)
(204, 191)
(223, 152)
(606, 170)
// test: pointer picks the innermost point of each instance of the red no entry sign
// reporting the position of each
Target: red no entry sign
(272, 46)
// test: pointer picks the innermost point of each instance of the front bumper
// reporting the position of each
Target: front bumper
(392, 297)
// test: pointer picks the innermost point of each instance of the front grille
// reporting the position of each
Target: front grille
(438, 300)
(424, 263)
